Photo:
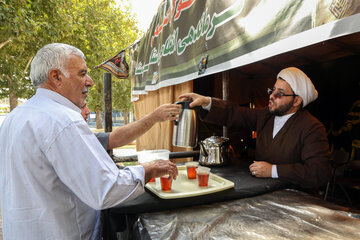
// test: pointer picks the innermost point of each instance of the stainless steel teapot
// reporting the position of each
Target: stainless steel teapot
(214, 151)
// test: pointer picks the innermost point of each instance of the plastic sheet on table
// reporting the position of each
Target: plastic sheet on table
(284, 214)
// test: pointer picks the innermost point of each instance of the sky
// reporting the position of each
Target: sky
(145, 10)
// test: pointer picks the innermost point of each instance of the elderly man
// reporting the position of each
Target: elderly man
(54, 174)
(128, 133)
(291, 144)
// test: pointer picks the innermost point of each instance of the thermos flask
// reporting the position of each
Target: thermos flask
(185, 127)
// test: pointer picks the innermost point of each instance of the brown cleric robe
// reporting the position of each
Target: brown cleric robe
(300, 149)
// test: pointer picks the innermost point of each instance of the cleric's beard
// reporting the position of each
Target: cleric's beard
(282, 110)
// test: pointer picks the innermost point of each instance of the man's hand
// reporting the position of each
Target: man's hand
(166, 112)
(159, 168)
(196, 99)
(261, 169)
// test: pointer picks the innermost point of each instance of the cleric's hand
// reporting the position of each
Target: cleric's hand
(196, 99)
(261, 169)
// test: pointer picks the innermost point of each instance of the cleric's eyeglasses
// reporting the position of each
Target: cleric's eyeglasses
(279, 94)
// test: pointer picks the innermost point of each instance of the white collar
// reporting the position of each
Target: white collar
(284, 117)
(57, 98)
(280, 121)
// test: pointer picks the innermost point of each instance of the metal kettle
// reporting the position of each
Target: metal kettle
(214, 151)
(185, 127)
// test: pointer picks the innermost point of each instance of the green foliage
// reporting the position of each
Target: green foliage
(100, 28)
(121, 95)
(4, 109)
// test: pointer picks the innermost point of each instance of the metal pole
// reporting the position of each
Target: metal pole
(108, 104)
(225, 94)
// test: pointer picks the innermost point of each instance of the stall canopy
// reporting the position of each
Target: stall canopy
(239, 44)
(189, 39)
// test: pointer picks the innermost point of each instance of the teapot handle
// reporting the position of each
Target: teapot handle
(202, 148)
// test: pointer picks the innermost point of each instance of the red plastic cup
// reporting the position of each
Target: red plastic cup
(166, 183)
(203, 176)
(191, 169)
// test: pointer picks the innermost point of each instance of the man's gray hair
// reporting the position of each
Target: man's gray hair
(54, 55)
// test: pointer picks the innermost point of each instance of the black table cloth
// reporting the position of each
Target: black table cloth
(119, 218)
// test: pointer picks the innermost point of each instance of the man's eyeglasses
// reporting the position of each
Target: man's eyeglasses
(279, 94)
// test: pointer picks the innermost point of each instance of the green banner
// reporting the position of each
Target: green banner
(188, 39)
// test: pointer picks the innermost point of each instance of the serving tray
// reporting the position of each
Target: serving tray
(183, 187)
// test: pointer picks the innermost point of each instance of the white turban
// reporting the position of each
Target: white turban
(300, 84)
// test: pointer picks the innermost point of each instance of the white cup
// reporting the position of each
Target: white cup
(161, 154)
(151, 155)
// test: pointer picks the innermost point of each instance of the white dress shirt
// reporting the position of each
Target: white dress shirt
(54, 173)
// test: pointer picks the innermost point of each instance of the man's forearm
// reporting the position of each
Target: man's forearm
(128, 133)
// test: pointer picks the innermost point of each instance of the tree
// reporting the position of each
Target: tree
(121, 97)
(98, 27)
(115, 30)
(25, 26)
